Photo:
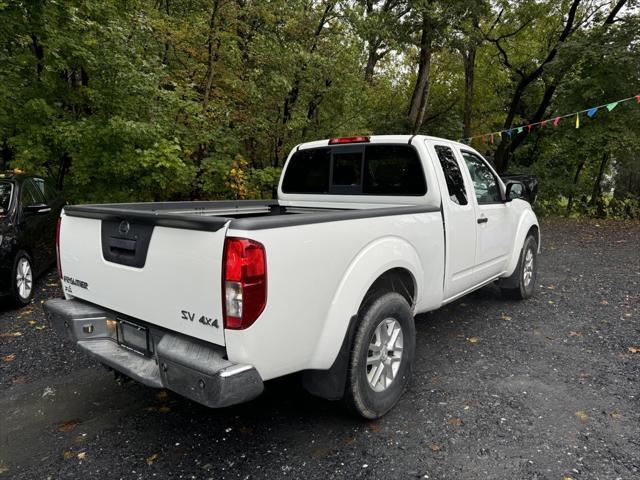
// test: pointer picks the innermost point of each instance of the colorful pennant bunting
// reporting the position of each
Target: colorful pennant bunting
(591, 112)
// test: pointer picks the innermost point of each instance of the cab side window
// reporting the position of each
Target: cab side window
(452, 174)
(30, 194)
(485, 182)
(49, 193)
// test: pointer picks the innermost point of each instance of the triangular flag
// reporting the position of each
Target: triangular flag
(530, 127)
(638, 98)
(591, 112)
(519, 129)
(577, 121)
(544, 122)
(556, 121)
(611, 106)
(492, 138)
(509, 133)
(484, 137)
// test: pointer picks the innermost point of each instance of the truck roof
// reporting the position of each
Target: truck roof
(381, 139)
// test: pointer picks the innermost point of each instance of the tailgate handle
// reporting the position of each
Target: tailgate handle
(122, 244)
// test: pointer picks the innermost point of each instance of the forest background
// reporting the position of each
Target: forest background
(140, 100)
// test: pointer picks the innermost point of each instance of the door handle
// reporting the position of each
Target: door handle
(483, 220)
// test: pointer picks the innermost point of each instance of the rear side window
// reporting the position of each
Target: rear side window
(360, 170)
(452, 174)
(393, 170)
(308, 171)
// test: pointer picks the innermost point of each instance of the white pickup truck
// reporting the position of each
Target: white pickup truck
(211, 299)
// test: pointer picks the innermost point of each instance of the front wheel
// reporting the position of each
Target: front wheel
(381, 356)
(22, 279)
(524, 278)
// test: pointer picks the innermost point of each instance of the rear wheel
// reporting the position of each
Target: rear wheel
(381, 356)
(524, 278)
(22, 279)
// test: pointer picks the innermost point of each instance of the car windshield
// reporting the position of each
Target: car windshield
(6, 189)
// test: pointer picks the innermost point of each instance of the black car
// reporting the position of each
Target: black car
(29, 210)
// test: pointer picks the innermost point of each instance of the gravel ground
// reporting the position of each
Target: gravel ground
(542, 389)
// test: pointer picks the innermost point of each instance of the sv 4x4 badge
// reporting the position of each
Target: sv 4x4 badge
(186, 315)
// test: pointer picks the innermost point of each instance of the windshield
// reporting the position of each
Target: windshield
(6, 190)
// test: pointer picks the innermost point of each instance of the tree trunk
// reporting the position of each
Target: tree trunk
(469, 57)
(292, 95)
(597, 186)
(420, 96)
(211, 54)
(576, 177)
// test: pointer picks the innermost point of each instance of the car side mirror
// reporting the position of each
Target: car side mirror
(37, 209)
(515, 189)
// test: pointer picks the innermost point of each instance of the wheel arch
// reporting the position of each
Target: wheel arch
(397, 272)
(527, 224)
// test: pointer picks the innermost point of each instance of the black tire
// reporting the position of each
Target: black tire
(20, 299)
(518, 287)
(360, 396)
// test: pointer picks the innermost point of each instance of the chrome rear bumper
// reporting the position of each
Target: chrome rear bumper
(194, 369)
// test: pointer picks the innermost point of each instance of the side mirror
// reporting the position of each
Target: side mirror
(36, 209)
(515, 189)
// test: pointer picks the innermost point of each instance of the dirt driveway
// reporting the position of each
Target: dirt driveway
(543, 389)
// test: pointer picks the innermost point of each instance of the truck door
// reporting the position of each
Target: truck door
(459, 219)
(495, 228)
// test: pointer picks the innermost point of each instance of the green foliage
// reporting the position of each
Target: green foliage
(203, 99)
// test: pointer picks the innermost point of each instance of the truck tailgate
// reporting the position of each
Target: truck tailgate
(170, 277)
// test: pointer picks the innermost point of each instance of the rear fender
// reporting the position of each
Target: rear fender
(372, 261)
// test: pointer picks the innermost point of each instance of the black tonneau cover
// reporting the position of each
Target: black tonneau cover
(243, 214)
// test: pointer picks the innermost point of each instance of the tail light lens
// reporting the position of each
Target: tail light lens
(244, 283)
(342, 140)
(58, 247)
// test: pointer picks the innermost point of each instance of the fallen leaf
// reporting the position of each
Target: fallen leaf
(67, 454)
(3, 468)
(567, 478)
(574, 334)
(32, 322)
(40, 327)
(548, 337)
(474, 339)
(21, 380)
(82, 455)
(434, 447)
(551, 302)
(245, 430)
(152, 458)
(162, 395)
(9, 358)
(375, 427)
(505, 317)
(456, 422)
(616, 415)
(582, 415)
(11, 334)
(69, 425)
(634, 349)
(604, 302)
(164, 409)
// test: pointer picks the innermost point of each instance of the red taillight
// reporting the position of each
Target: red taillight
(337, 141)
(58, 247)
(244, 286)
